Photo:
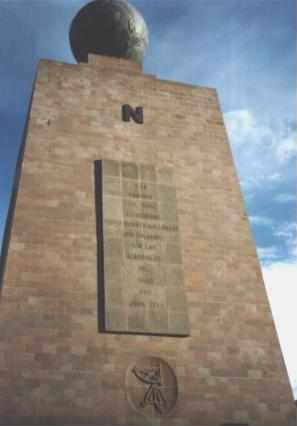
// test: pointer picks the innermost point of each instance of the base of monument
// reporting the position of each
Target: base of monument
(91, 421)
(97, 421)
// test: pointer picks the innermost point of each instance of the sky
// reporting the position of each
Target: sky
(246, 49)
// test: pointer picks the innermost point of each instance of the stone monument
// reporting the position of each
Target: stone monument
(132, 293)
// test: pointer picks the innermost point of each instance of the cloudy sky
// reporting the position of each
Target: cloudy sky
(244, 48)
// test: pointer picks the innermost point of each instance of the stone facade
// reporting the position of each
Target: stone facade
(56, 366)
(139, 253)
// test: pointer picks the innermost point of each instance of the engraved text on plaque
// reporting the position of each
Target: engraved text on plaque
(141, 257)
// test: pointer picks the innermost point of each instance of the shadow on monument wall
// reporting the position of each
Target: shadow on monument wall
(100, 248)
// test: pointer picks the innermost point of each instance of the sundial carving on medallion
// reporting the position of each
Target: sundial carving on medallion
(151, 387)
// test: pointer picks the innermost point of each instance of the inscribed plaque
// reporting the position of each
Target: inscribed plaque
(141, 261)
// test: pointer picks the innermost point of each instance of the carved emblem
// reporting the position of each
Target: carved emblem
(152, 387)
(153, 395)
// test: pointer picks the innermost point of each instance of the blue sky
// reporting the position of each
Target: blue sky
(244, 48)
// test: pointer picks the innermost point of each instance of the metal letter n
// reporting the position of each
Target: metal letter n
(136, 114)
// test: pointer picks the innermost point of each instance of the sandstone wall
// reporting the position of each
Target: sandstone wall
(55, 367)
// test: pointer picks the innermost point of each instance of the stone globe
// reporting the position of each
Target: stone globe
(109, 27)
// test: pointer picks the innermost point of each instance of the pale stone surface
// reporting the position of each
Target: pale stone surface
(230, 368)
(141, 300)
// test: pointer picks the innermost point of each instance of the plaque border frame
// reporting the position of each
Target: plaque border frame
(101, 299)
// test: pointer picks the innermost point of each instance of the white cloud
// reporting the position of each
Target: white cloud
(267, 254)
(287, 147)
(288, 233)
(243, 127)
(275, 177)
(280, 279)
(295, 387)
(261, 150)
(248, 183)
(240, 124)
(281, 283)
(287, 230)
(261, 220)
(285, 198)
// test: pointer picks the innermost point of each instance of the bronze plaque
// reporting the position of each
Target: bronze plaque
(139, 245)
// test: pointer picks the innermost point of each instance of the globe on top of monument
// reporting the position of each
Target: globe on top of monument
(111, 28)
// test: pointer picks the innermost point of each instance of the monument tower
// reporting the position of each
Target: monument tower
(131, 290)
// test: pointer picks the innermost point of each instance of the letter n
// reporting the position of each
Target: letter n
(136, 114)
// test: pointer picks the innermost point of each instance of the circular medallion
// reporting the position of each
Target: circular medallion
(151, 387)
